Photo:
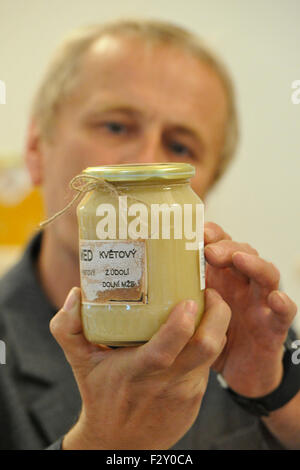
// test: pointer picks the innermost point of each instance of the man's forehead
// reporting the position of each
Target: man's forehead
(131, 49)
(112, 61)
(106, 44)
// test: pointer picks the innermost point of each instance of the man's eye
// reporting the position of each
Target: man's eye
(180, 149)
(115, 127)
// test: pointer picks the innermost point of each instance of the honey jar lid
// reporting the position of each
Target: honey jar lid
(142, 172)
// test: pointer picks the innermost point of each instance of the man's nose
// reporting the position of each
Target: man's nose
(151, 152)
(149, 149)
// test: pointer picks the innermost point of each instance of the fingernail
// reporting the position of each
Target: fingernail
(280, 299)
(191, 307)
(71, 301)
(210, 234)
(212, 294)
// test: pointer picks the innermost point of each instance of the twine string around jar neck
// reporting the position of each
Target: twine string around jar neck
(82, 184)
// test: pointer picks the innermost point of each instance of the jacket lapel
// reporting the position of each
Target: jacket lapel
(44, 377)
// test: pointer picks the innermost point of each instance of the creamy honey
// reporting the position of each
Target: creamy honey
(135, 265)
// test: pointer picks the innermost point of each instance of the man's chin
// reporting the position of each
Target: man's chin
(63, 240)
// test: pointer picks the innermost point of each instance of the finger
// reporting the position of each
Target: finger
(220, 254)
(66, 327)
(210, 337)
(163, 348)
(214, 233)
(284, 308)
(257, 269)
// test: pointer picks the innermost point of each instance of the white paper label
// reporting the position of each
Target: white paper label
(113, 271)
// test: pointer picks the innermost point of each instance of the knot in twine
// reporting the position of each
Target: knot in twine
(83, 184)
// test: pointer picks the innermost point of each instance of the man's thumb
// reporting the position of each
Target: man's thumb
(66, 327)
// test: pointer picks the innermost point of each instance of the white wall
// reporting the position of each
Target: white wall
(258, 200)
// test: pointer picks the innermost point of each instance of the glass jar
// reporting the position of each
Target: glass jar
(141, 250)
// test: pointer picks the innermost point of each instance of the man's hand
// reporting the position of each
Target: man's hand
(143, 397)
(251, 361)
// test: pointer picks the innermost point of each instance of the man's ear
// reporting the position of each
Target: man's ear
(33, 154)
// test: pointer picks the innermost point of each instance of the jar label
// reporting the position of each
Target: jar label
(113, 271)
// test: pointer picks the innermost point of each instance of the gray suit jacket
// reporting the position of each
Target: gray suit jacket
(39, 399)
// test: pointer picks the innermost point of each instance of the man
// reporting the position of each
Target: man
(141, 92)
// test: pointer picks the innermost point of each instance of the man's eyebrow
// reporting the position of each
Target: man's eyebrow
(118, 107)
(189, 131)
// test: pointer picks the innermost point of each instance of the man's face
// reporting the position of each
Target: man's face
(134, 103)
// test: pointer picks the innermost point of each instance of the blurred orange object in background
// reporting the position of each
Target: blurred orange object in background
(19, 221)
(21, 210)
